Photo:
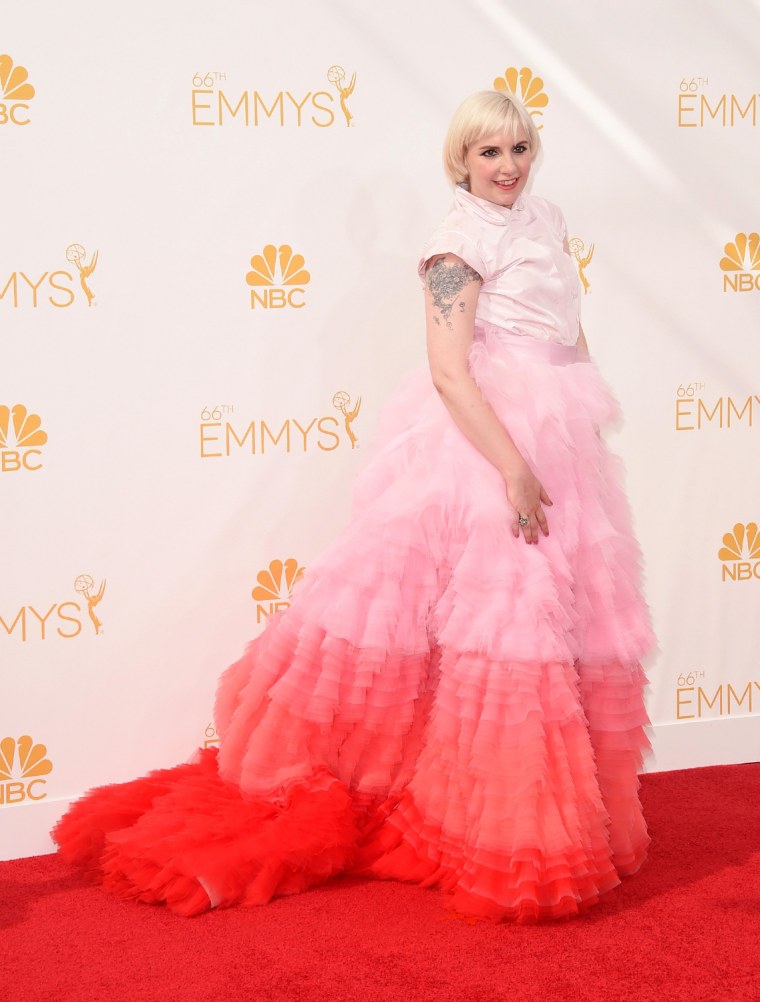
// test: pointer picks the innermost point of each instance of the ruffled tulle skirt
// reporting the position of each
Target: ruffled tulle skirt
(442, 703)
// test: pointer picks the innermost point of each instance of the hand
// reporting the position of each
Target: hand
(527, 495)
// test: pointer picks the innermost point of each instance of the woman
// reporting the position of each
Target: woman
(455, 695)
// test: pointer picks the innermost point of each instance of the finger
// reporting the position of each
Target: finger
(544, 497)
(520, 530)
(516, 526)
(534, 527)
(528, 531)
(542, 523)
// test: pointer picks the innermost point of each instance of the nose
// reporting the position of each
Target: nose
(507, 164)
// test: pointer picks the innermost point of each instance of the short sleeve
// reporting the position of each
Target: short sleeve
(448, 241)
(560, 223)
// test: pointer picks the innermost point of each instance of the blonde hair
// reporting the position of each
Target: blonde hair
(479, 115)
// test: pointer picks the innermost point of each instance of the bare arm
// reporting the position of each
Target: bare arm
(451, 294)
(583, 352)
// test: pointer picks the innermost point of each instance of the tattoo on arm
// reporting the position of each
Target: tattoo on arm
(445, 282)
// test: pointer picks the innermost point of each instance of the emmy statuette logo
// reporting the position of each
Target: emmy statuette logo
(337, 76)
(77, 254)
(47, 620)
(56, 287)
(215, 105)
(84, 585)
(342, 402)
(224, 432)
(583, 258)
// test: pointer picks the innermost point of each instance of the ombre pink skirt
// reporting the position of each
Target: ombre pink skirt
(442, 703)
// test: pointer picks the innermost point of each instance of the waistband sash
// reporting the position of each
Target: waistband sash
(549, 351)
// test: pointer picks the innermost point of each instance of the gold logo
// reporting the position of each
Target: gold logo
(13, 81)
(337, 76)
(529, 88)
(276, 583)
(210, 736)
(342, 402)
(694, 411)
(21, 434)
(77, 254)
(15, 90)
(27, 428)
(742, 257)
(733, 542)
(583, 258)
(213, 105)
(697, 110)
(743, 254)
(275, 587)
(740, 553)
(55, 286)
(22, 764)
(84, 586)
(223, 432)
(695, 701)
(277, 266)
(64, 619)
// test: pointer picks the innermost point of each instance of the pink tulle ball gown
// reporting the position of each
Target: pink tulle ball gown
(442, 703)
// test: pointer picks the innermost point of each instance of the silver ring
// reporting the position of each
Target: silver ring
(523, 520)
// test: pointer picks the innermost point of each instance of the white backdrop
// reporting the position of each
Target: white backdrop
(165, 437)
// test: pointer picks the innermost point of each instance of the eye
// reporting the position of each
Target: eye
(490, 152)
(520, 148)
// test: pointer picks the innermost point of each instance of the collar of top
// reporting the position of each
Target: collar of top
(490, 211)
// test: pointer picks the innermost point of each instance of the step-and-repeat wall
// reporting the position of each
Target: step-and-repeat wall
(211, 218)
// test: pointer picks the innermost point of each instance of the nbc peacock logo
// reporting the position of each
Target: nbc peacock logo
(275, 587)
(740, 553)
(528, 87)
(21, 435)
(15, 92)
(277, 278)
(23, 763)
(741, 263)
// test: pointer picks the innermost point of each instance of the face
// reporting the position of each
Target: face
(498, 167)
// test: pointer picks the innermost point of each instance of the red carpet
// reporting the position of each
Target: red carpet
(686, 927)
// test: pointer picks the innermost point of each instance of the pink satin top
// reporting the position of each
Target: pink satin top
(530, 285)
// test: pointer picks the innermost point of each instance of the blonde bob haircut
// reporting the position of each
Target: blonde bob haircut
(480, 115)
